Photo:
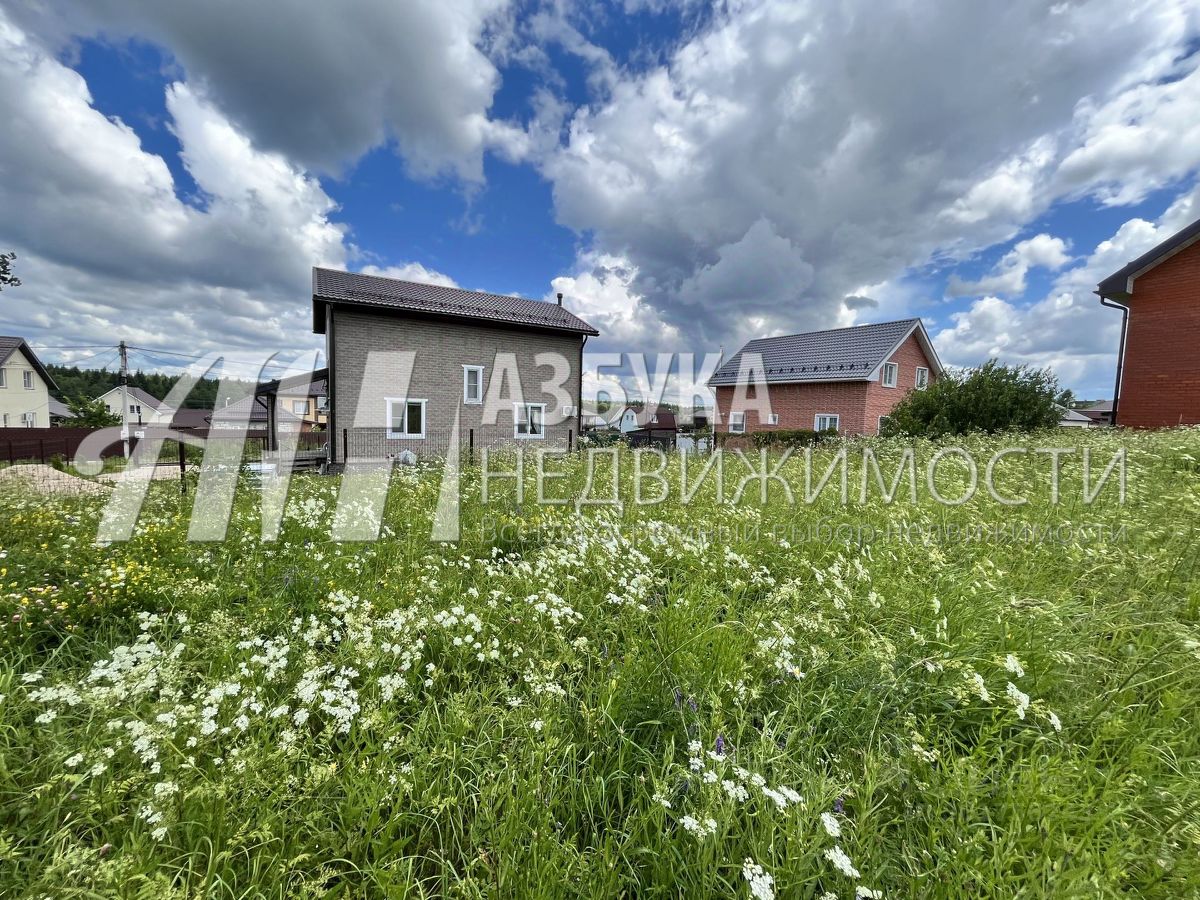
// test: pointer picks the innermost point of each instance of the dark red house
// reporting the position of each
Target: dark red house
(1158, 365)
(846, 379)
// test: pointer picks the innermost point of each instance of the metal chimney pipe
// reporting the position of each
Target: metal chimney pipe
(560, 299)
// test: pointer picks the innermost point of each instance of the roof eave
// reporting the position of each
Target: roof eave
(28, 353)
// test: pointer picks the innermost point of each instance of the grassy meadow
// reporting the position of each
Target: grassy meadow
(701, 699)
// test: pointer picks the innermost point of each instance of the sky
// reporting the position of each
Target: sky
(688, 175)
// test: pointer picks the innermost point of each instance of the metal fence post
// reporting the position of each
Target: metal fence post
(471, 445)
(345, 445)
(182, 468)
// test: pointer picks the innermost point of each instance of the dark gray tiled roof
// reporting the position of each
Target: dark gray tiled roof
(843, 354)
(1117, 284)
(435, 299)
(9, 345)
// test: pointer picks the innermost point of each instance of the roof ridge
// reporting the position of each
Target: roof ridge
(832, 330)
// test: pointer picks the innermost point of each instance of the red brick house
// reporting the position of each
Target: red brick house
(846, 379)
(1158, 364)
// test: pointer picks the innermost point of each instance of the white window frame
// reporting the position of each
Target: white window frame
(5, 420)
(392, 433)
(883, 375)
(3, 377)
(521, 414)
(467, 399)
(303, 411)
(28, 379)
(837, 421)
(29, 419)
(737, 422)
(879, 425)
(918, 383)
(773, 418)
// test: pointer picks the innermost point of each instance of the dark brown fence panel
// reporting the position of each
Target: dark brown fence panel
(43, 444)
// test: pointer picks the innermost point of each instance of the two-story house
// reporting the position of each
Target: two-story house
(1158, 379)
(845, 380)
(408, 360)
(25, 386)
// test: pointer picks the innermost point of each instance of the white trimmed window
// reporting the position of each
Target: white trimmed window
(29, 419)
(529, 420)
(28, 380)
(472, 384)
(737, 423)
(826, 422)
(405, 418)
(922, 381)
(3, 378)
(890, 371)
(5, 420)
(883, 421)
(773, 419)
(299, 407)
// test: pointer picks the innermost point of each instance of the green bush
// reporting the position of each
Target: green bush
(791, 437)
(990, 399)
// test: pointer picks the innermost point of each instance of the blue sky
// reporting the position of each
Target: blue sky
(689, 176)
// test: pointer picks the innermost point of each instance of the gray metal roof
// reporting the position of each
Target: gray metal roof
(843, 354)
(376, 292)
(1119, 284)
(9, 345)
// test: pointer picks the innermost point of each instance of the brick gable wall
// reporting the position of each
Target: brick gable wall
(858, 403)
(1160, 384)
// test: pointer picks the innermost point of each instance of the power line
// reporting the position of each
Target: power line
(225, 360)
(76, 362)
(74, 347)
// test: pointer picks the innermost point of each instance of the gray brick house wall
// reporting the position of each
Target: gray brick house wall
(366, 370)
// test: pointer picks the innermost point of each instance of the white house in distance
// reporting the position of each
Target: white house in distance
(144, 408)
(24, 386)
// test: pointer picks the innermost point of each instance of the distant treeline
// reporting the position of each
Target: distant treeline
(74, 382)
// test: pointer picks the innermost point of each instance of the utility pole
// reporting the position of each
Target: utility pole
(124, 398)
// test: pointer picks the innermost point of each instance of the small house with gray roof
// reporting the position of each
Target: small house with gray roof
(845, 380)
(414, 367)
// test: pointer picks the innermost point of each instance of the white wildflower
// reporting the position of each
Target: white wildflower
(841, 861)
(832, 827)
(1019, 698)
(762, 885)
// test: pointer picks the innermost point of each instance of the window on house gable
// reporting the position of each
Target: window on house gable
(299, 407)
(472, 384)
(405, 418)
(890, 371)
(773, 419)
(28, 380)
(29, 419)
(922, 380)
(529, 420)
(827, 422)
(737, 423)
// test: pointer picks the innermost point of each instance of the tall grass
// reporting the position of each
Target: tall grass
(649, 701)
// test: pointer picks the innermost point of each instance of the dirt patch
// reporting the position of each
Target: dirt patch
(48, 480)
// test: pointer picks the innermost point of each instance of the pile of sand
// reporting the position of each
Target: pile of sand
(48, 480)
